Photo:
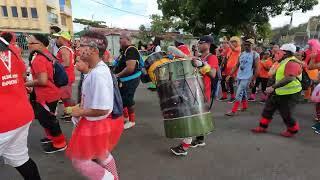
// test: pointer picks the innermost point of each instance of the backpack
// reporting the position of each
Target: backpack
(140, 61)
(60, 77)
(305, 81)
(117, 110)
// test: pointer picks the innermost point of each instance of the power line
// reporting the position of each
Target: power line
(109, 6)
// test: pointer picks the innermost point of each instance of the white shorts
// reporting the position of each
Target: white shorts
(13, 146)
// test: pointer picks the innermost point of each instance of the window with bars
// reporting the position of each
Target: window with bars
(24, 12)
(34, 13)
(14, 10)
(4, 11)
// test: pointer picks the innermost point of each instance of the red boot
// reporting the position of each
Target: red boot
(259, 129)
(244, 105)
(234, 109)
(262, 128)
(287, 134)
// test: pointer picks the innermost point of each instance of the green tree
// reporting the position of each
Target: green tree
(90, 23)
(144, 35)
(264, 31)
(160, 24)
(210, 16)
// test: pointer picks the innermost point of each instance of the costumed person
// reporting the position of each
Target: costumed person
(315, 97)
(263, 77)
(65, 56)
(46, 92)
(309, 54)
(314, 64)
(247, 68)
(99, 123)
(209, 71)
(231, 61)
(284, 93)
(128, 71)
(17, 114)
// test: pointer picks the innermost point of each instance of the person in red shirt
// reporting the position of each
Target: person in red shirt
(47, 94)
(209, 72)
(65, 56)
(16, 114)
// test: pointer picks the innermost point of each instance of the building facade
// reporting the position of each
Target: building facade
(35, 16)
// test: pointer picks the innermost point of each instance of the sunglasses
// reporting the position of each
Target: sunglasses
(93, 45)
(33, 43)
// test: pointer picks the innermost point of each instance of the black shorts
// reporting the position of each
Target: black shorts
(127, 90)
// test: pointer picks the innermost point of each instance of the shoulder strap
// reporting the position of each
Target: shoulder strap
(125, 52)
(51, 58)
(67, 48)
(206, 58)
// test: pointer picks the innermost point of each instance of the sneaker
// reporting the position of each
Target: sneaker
(128, 124)
(179, 151)
(66, 116)
(223, 99)
(316, 126)
(67, 120)
(231, 100)
(50, 149)
(45, 140)
(230, 113)
(287, 134)
(262, 102)
(251, 99)
(317, 131)
(259, 130)
(244, 109)
(197, 143)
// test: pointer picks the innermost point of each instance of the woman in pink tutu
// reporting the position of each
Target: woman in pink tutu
(100, 116)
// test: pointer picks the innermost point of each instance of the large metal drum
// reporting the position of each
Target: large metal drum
(182, 101)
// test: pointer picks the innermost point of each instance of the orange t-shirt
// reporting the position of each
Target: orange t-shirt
(233, 60)
(15, 108)
(264, 67)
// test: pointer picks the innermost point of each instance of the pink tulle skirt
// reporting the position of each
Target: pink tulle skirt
(94, 139)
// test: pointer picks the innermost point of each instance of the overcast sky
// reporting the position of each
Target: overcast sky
(89, 9)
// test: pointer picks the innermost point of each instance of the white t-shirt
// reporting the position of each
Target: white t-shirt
(97, 90)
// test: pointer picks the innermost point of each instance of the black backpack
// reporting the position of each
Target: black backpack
(305, 81)
(60, 77)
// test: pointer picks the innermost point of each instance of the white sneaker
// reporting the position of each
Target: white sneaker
(128, 125)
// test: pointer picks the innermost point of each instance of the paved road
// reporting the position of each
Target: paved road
(232, 152)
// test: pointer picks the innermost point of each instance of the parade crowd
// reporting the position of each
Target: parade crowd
(236, 71)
